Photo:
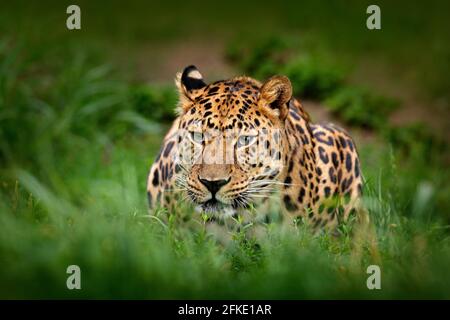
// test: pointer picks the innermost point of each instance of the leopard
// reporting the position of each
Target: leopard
(237, 144)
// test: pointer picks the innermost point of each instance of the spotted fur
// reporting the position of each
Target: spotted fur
(273, 146)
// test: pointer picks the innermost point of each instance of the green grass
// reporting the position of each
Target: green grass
(314, 76)
(98, 219)
(78, 136)
(412, 43)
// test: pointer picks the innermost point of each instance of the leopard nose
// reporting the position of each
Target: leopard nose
(214, 185)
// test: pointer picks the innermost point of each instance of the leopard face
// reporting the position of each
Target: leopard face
(231, 139)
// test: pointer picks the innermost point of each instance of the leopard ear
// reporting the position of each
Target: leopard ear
(275, 96)
(189, 82)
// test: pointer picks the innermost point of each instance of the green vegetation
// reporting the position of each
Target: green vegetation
(78, 134)
(311, 75)
(357, 106)
(314, 77)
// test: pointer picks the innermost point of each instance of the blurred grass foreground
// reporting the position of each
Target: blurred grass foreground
(82, 116)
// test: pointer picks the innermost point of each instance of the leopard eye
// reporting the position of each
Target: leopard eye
(245, 141)
(196, 137)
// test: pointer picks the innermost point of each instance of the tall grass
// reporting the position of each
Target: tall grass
(103, 227)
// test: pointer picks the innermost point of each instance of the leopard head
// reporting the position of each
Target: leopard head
(231, 139)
